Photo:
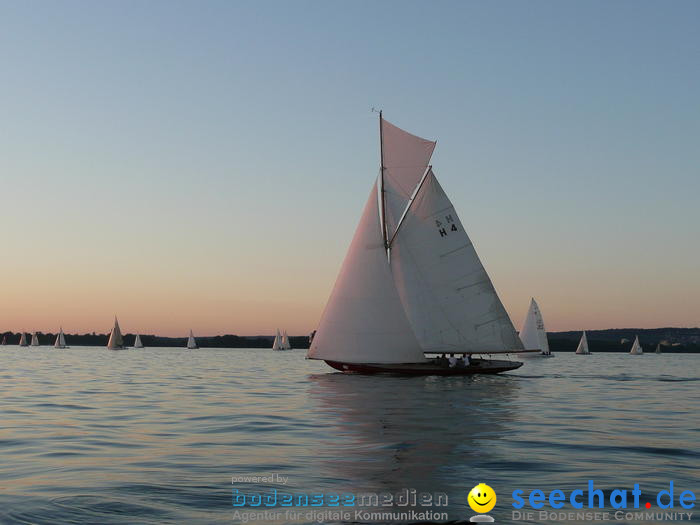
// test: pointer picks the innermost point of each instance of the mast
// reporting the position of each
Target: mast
(382, 196)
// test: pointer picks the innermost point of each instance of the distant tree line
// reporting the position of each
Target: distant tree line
(673, 340)
(219, 341)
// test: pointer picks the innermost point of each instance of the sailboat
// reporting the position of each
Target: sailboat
(658, 348)
(116, 342)
(60, 340)
(4, 340)
(23, 340)
(191, 342)
(286, 345)
(137, 342)
(35, 339)
(582, 348)
(411, 283)
(533, 335)
(636, 347)
(277, 343)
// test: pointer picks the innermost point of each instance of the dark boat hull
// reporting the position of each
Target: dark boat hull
(478, 366)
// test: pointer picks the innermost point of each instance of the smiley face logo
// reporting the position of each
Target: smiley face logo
(482, 498)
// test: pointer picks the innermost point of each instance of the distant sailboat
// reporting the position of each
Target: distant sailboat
(411, 282)
(583, 345)
(286, 345)
(533, 335)
(191, 342)
(35, 339)
(60, 340)
(658, 348)
(4, 340)
(636, 347)
(116, 342)
(277, 343)
(137, 342)
(23, 340)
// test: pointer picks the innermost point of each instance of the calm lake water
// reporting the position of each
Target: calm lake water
(156, 435)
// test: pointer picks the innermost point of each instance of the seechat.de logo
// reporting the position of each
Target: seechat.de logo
(481, 499)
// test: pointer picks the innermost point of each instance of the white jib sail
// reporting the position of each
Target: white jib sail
(35, 339)
(191, 342)
(115, 337)
(636, 347)
(23, 339)
(137, 342)
(583, 345)
(533, 335)
(445, 290)
(364, 320)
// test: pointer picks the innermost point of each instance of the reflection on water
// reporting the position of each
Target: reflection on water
(393, 433)
(154, 436)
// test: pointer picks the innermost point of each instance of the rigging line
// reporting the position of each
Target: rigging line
(410, 202)
(382, 209)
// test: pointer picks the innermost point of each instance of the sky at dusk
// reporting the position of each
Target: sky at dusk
(203, 164)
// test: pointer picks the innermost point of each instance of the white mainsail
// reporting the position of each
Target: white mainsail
(364, 320)
(636, 347)
(533, 335)
(411, 280)
(4, 340)
(277, 343)
(583, 345)
(35, 339)
(658, 348)
(60, 340)
(23, 340)
(137, 342)
(191, 342)
(116, 342)
(286, 345)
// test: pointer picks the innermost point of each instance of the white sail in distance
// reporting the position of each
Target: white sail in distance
(137, 342)
(4, 340)
(116, 342)
(278, 342)
(583, 345)
(35, 339)
(286, 345)
(534, 335)
(658, 348)
(636, 347)
(191, 342)
(23, 339)
(406, 286)
(60, 340)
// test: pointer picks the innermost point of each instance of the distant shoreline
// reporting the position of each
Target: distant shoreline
(673, 340)
(219, 341)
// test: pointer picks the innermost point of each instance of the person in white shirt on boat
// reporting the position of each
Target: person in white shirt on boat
(466, 360)
(453, 361)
